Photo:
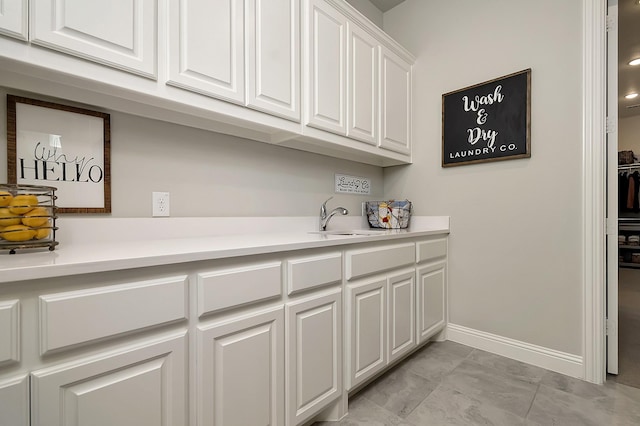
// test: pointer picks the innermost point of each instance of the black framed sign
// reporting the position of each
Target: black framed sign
(490, 121)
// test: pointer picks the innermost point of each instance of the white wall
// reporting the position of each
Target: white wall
(211, 174)
(515, 246)
(369, 10)
(629, 134)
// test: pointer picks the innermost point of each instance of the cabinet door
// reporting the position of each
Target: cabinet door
(402, 320)
(273, 52)
(14, 18)
(240, 375)
(326, 67)
(206, 47)
(431, 292)
(142, 386)
(367, 328)
(314, 355)
(395, 102)
(122, 35)
(14, 401)
(362, 119)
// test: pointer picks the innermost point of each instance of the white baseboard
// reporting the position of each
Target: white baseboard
(560, 362)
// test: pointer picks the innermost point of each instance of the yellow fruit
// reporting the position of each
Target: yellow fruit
(42, 233)
(36, 217)
(7, 218)
(17, 233)
(23, 203)
(5, 198)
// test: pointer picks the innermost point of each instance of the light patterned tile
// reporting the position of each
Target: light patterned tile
(511, 367)
(399, 391)
(484, 385)
(555, 407)
(448, 407)
(433, 363)
(452, 347)
(363, 412)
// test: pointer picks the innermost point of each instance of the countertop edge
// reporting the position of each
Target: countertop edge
(80, 259)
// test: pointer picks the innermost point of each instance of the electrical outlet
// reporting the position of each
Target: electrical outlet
(160, 204)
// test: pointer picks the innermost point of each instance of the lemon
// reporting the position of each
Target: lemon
(23, 203)
(42, 233)
(17, 233)
(36, 217)
(5, 198)
(7, 218)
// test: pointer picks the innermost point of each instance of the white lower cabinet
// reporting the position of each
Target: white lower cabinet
(366, 330)
(217, 344)
(14, 401)
(139, 386)
(240, 373)
(381, 324)
(431, 294)
(313, 354)
(401, 287)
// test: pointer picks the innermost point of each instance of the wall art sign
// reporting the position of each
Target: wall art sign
(60, 146)
(490, 121)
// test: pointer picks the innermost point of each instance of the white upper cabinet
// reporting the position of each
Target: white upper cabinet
(122, 34)
(356, 81)
(395, 102)
(14, 18)
(362, 120)
(273, 57)
(206, 47)
(326, 62)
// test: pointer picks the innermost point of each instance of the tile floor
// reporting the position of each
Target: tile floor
(447, 383)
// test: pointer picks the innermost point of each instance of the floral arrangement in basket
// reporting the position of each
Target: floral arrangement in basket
(389, 214)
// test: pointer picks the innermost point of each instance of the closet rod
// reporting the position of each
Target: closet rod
(629, 166)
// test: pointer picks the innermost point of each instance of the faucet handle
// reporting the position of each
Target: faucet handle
(323, 207)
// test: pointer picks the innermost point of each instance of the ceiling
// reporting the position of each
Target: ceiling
(628, 48)
(385, 5)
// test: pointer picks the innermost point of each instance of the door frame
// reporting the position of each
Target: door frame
(594, 188)
(611, 334)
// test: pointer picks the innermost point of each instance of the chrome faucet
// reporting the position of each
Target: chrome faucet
(324, 217)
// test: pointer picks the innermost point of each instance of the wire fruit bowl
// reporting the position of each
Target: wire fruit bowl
(28, 216)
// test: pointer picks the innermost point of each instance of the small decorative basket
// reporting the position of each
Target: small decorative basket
(389, 214)
(27, 217)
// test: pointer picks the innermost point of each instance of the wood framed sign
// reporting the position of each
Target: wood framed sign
(60, 146)
(490, 121)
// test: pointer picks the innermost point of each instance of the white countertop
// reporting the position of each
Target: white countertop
(248, 236)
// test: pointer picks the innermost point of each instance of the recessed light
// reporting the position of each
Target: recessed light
(634, 62)
(631, 95)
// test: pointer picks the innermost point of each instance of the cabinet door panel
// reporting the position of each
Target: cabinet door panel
(367, 326)
(240, 378)
(273, 52)
(9, 331)
(395, 102)
(14, 18)
(402, 330)
(143, 386)
(326, 71)
(431, 300)
(14, 401)
(362, 120)
(206, 47)
(314, 355)
(123, 35)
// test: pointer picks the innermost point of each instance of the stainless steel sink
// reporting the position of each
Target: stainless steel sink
(351, 232)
